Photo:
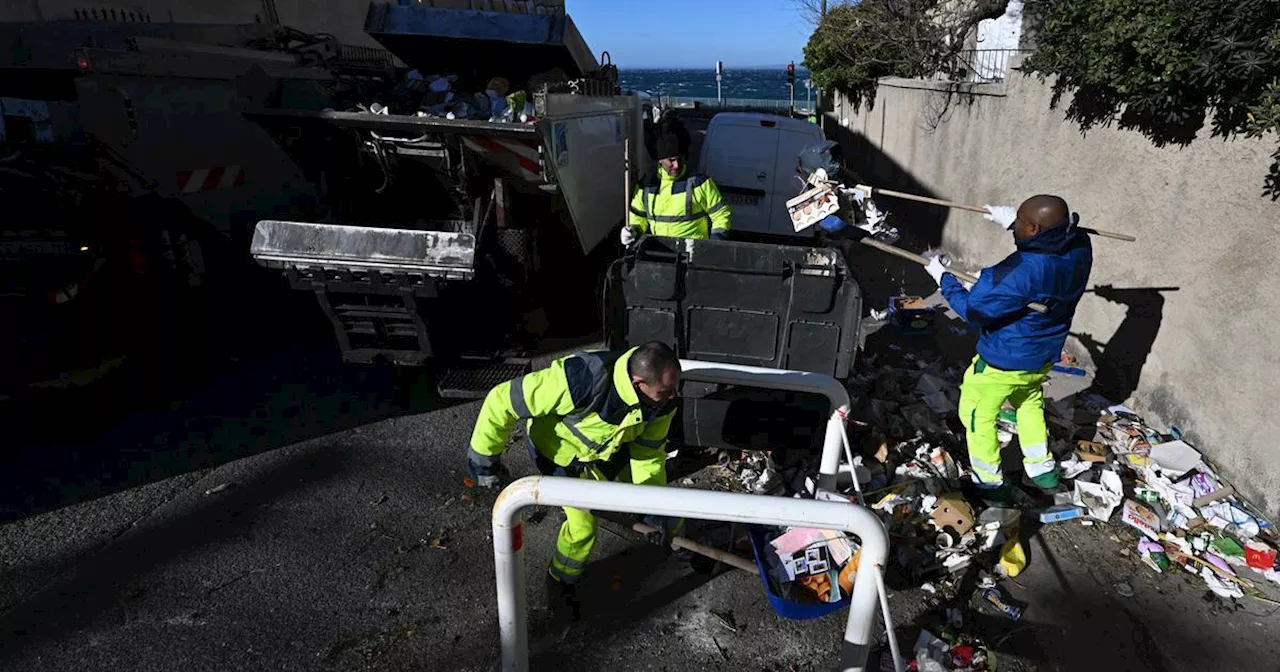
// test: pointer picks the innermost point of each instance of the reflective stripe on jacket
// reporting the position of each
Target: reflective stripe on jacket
(685, 206)
(581, 409)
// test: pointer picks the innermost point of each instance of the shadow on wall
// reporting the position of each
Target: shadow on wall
(883, 276)
(1119, 361)
(921, 224)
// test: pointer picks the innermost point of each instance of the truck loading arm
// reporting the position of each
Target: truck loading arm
(307, 246)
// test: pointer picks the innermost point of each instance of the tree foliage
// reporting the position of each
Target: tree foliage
(856, 44)
(1165, 68)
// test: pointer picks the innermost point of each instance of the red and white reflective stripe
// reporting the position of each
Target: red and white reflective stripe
(61, 296)
(206, 179)
(517, 156)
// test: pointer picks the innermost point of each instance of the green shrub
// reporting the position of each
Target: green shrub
(1164, 68)
(858, 43)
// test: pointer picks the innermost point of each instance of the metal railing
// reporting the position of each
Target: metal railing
(802, 106)
(508, 531)
(983, 66)
(508, 545)
(836, 440)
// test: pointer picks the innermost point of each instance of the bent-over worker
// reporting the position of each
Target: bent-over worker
(1016, 345)
(673, 201)
(601, 415)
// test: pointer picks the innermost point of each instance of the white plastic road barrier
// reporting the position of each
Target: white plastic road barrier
(508, 543)
(796, 381)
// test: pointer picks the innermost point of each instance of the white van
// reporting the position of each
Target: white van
(752, 157)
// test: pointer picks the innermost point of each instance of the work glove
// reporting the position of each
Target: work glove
(629, 235)
(720, 234)
(487, 471)
(935, 269)
(1004, 215)
(667, 528)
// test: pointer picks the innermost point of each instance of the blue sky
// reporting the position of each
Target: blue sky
(693, 33)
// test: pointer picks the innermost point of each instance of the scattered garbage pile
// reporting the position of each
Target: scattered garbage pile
(1188, 516)
(1117, 469)
(757, 472)
(912, 468)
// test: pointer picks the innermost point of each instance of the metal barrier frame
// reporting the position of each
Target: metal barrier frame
(508, 544)
(836, 438)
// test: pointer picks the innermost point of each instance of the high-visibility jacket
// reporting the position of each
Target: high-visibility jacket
(685, 206)
(581, 410)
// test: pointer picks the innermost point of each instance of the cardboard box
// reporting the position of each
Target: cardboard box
(954, 512)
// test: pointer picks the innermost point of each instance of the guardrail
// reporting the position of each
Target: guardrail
(508, 530)
(508, 545)
(835, 441)
(802, 106)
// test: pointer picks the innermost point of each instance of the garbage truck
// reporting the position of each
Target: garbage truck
(131, 174)
(466, 229)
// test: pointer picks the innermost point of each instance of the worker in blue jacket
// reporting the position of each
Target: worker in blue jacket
(1016, 345)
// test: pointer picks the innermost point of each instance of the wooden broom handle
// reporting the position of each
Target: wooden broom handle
(974, 208)
(911, 256)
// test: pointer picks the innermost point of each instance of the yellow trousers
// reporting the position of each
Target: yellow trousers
(982, 394)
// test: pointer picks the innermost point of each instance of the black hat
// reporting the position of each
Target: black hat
(670, 144)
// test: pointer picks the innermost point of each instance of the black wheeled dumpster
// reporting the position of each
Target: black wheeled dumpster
(773, 306)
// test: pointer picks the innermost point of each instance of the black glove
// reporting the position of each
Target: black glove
(486, 470)
(665, 529)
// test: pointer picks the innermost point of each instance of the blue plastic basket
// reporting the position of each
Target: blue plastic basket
(781, 605)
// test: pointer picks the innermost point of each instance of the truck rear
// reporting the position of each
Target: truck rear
(467, 210)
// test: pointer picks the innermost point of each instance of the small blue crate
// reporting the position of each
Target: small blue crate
(781, 605)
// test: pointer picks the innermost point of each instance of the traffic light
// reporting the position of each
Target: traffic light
(791, 73)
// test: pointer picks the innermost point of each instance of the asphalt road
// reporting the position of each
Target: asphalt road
(290, 513)
(352, 550)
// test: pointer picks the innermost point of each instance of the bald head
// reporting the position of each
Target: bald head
(1040, 213)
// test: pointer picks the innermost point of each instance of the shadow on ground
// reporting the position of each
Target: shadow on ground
(111, 581)
(190, 405)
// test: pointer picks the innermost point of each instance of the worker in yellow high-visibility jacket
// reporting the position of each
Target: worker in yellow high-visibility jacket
(675, 202)
(599, 415)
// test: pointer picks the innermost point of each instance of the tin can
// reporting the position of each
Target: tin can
(992, 600)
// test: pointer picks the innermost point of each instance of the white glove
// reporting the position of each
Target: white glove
(977, 275)
(935, 269)
(1004, 215)
(629, 235)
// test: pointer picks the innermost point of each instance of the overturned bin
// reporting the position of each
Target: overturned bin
(774, 306)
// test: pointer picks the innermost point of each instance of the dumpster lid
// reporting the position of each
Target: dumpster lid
(478, 45)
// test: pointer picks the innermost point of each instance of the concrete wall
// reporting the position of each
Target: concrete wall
(1185, 331)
